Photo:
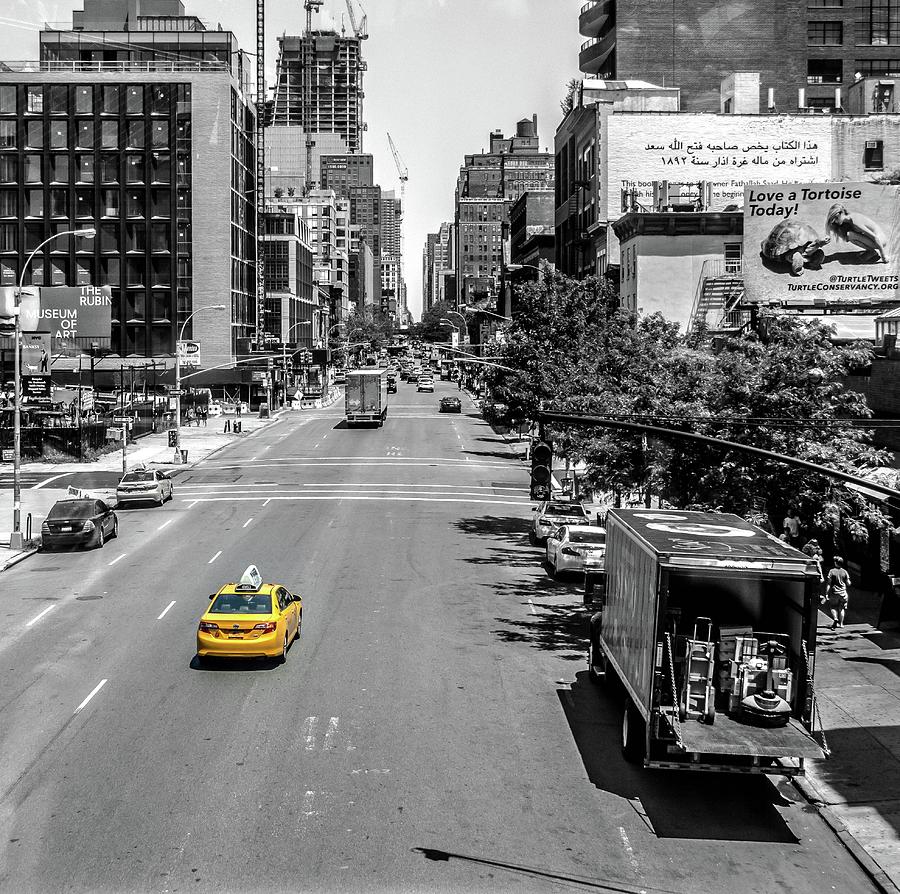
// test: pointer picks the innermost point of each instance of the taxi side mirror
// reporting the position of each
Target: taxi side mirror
(295, 598)
(212, 595)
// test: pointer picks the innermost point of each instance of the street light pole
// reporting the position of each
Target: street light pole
(284, 352)
(16, 540)
(177, 456)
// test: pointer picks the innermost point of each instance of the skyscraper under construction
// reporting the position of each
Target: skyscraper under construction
(319, 84)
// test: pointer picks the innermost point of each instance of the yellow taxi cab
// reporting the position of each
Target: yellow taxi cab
(250, 619)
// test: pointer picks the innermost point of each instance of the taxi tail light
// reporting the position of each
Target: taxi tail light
(269, 627)
(208, 625)
(88, 527)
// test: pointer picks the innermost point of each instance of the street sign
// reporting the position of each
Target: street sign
(8, 455)
(175, 392)
(188, 353)
(123, 420)
(36, 388)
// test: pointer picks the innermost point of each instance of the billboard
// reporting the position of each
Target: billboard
(35, 353)
(70, 312)
(821, 243)
(29, 309)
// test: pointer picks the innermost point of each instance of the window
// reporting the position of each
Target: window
(109, 202)
(159, 134)
(59, 203)
(109, 134)
(160, 238)
(136, 132)
(59, 134)
(7, 134)
(84, 202)
(160, 203)
(160, 99)
(110, 103)
(134, 100)
(34, 134)
(109, 168)
(33, 170)
(8, 240)
(160, 305)
(59, 168)
(135, 305)
(134, 169)
(84, 100)
(824, 33)
(878, 22)
(161, 271)
(34, 203)
(109, 237)
(84, 134)
(134, 272)
(84, 165)
(135, 203)
(59, 99)
(110, 272)
(34, 100)
(84, 271)
(819, 4)
(824, 71)
(733, 257)
(135, 237)
(7, 99)
(8, 203)
(873, 157)
(161, 167)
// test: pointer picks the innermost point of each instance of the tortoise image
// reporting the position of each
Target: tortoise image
(795, 244)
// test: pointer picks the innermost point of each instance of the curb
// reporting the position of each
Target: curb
(21, 557)
(866, 861)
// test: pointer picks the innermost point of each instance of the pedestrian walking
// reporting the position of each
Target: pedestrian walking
(189, 416)
(814, 551)
(791, 526)
(837, 592)
(204, 415)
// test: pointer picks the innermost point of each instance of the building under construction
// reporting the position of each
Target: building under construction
(319, 83)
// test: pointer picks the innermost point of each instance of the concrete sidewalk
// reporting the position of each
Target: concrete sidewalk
(858, 689)
(200, 442)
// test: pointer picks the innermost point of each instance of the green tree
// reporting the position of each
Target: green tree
(430, 327)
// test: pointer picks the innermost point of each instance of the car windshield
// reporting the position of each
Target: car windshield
(587, 537)
(564, 509)
(72, 509)
(242, 604)
(137, 476)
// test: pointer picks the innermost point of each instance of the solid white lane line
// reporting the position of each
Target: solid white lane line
(468, 487)
(118, 559)
(213, 559)
(629, 850)
(354, 496)
(165, 524)
(93, 692)
(533, 611)
(165, 610)
(247, 522)
(37, 618)
(309, 732)
(48, 480)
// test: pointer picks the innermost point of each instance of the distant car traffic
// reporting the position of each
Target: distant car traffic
(570, 547)
(451, 405)
(250, 619)
(144, 486)
(550, 514)
(392, 386)
(340, 377)
(425, 385)
(412, 376)
(79, 522)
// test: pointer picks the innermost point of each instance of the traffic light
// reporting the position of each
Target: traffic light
(541, 470)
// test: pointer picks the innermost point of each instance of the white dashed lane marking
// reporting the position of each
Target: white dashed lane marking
(38, 617)
(93, 692)
(213, 559)
(165, 524)
(117, 559)
(247, 522)
(165, 610)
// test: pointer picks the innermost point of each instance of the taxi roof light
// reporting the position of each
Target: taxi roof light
(251, 579)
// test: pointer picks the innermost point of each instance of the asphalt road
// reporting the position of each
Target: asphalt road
(433, 729)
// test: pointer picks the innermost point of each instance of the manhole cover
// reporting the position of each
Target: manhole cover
(87, 598)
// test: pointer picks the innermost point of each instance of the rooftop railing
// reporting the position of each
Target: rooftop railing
(77, 65)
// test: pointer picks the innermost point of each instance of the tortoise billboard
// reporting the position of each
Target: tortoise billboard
(821, 243)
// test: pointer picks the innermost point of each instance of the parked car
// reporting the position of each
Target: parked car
(451, 405)
(570, 547)
(392, 386)
(340, 377)
(144, 486)
(78, 522)
(550, 514)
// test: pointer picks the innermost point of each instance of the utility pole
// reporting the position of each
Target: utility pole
(260, 165)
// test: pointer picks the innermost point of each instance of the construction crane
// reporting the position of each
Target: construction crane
(401, 168)
(361, 30)
(310, 6)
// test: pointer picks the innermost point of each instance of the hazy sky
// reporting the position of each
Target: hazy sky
(442, 74)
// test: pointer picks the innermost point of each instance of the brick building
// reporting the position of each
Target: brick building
(803, 51)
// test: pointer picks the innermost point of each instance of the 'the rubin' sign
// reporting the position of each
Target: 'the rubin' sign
(76, 312)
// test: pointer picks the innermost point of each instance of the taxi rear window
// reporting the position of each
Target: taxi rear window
(242, 604)
(565, 509)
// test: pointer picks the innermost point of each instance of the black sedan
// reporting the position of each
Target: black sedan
(451, 405)
(79, 522)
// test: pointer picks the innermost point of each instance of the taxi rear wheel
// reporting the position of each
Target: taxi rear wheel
(283, 656)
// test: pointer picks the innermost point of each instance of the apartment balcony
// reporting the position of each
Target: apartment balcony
(595, 52)
(593, 16)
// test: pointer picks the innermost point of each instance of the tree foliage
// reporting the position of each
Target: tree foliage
(430, 327)
(573, 350)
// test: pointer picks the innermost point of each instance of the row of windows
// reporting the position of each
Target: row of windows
(132, 169)
(877, 24)
(112, 238)
(86, 133)
(62, 202)
(88, 99)
(143, 273)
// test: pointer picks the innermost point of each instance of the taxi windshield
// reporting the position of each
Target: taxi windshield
(242, 604)
(564, 509)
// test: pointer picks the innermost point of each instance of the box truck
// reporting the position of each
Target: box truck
(707, 630)
(366, 396)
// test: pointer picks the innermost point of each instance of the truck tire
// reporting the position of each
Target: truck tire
(598, 669)
(634, 739)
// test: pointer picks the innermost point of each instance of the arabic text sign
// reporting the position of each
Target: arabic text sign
(77, 312)
(728, 151)
(814, 243)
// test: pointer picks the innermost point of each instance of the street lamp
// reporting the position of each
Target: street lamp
(284, 352)
(15, 539)
(178, 374)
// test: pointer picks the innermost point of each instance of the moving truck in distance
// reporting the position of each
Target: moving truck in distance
(366, 396)
(707, 629)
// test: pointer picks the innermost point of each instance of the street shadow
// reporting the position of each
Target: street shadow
(496, 454)
(506, 527)
(238, 665)
(885, 638)
(551, 628)
(892, 664)
(341, 424)
(673, 803)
